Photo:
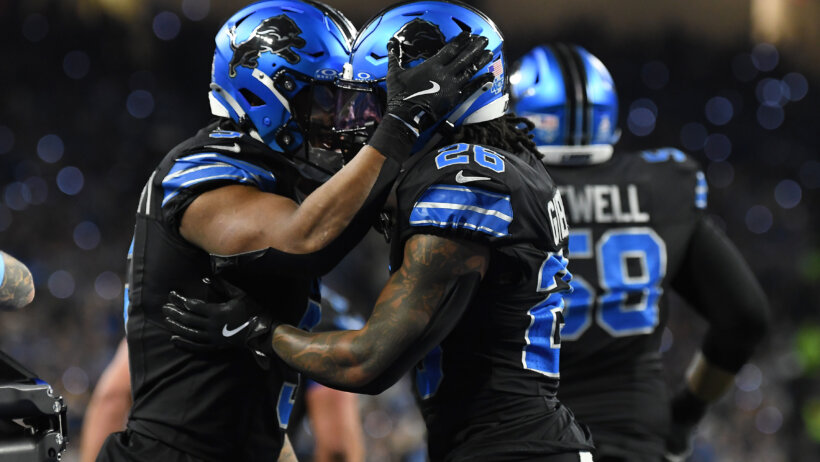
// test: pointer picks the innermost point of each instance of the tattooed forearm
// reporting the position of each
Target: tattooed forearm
(403, 310)
(16, 287)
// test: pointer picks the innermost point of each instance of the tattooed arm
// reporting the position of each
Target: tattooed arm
(16, 285)
(432, 270)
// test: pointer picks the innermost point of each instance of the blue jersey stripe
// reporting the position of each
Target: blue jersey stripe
(199, 168)
(446, 206)
(554, 266)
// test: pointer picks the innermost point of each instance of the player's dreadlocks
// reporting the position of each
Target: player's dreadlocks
(509, 133)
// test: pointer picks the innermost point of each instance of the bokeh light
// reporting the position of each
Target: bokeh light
(765, 57)
(166, 25)
(759, 219)
(75, 380)
(771, 92)
(797, 84)
(748, 400)
(35, 27)
(769, 420)
(50, 148)
(108, 285)
(788, 193)
(770, 117)
(196, 10)
(70, 180)
(140, 104)
(86, 235)
(718, 147)
(749, 378)
(76, 64)
(17, 196)
(719, 110)
(642, 115)
(61, 284)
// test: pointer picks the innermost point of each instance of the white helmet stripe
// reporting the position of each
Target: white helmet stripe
(493, 110)
(268, 83)
(229, 99)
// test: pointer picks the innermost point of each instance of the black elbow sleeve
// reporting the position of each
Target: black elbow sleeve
(325, 259)
(719, 284)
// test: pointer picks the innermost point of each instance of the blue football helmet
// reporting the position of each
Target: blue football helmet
(422, 28)
(273, 72)
(570, 97)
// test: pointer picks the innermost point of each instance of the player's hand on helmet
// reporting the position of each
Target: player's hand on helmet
(239, 322)
(686, 411)
(418, 97)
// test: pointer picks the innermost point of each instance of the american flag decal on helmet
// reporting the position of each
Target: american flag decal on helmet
(497, 68)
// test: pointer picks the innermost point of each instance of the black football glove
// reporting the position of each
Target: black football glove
(239, 322)
(417, 98)
(686, 411)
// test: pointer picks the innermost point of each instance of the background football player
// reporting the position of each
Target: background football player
(476, 231)
(232, 200)
(638, 231)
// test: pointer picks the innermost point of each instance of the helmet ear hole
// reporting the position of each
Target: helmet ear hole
(252, 98)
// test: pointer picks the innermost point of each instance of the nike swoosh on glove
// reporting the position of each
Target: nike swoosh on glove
(419, 97)
(239, 322)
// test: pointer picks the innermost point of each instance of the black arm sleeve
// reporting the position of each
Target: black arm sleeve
(718, 283)
(455, 302)
(322, 261)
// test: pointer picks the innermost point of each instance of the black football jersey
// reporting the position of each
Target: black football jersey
(219, 406)
(506, 345)
(631, 219)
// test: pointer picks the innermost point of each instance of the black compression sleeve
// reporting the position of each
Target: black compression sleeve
(718, 283)
(452, 307)
(322, 261)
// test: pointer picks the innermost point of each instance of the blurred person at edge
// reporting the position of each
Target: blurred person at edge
(334, 414)
(252, 198)
(16, 284)
(638, 230)
(477, 265)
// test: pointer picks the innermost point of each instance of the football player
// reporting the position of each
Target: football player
(638, 231)
(478, 246)
(16, 285)
(236, 200)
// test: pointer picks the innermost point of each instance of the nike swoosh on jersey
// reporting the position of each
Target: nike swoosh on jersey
(461, 178)
(235, 148)
(231, 332)
(434, 89)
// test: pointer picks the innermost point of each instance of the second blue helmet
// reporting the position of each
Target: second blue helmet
(570, 97)
(422, 28)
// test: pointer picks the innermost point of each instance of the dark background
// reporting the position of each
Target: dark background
(94, 92)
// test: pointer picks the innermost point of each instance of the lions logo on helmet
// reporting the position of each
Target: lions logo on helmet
(418, 39)
(274, 35)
